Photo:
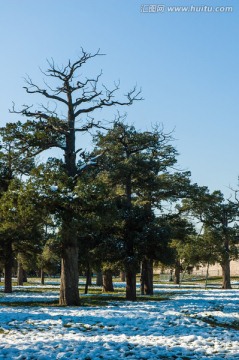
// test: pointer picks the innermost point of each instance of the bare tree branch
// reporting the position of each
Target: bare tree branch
(67, 72)
(37, 90)
(108, 101)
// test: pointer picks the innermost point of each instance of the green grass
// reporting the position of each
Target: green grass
(214, 323)
(95, 297)
(89, 301)
(103, 300)
(29, 303)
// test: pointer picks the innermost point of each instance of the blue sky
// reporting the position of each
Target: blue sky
(187, 65)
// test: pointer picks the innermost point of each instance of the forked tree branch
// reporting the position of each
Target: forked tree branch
(81, 97)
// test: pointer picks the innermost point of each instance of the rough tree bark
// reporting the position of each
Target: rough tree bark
(226, 277)
(69, 292)
(130, 282)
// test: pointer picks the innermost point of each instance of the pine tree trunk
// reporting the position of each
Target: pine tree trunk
(89, 276)
(130, 268)
(42, 276)
(207, 273)
(19, 274)
(171, 275)
(69, 291)
(88, 279)
(177, 273)
(8, 268)
(130, 274)
(148, 286)
(142, 277)
(99, 278)
(107, 281)
(122, 276)
(147, 277)
(226, 278)
(225, 264)
(24, 276)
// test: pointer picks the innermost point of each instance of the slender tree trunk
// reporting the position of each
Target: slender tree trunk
(86, 285)
(226, 278)
(130, 268)
(225, 264)
(130, 274)
(207, 273)
(69, 292)
(171, 275)
(122, 276)
(149, 288)
(99, 278)
(42, 276)
(8, 268)
(107, 281)
(177, 273)
(142, 277)
(24, 276)
(19, 274)
(88, 279)
(147, 277)
(89, 276)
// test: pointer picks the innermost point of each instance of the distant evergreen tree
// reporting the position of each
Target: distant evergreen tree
(218, 241)
(12, 166)
(20, 226)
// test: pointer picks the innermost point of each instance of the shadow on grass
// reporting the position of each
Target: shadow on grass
(97, 300)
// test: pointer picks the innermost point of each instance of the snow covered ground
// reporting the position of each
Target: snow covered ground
(194, 324)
